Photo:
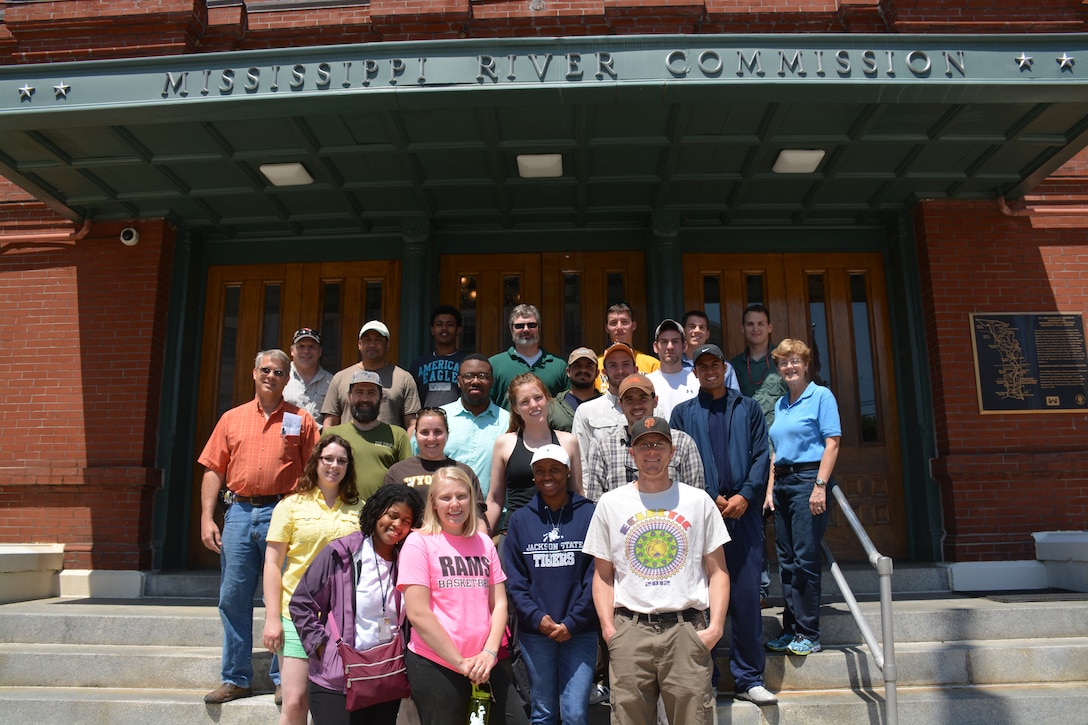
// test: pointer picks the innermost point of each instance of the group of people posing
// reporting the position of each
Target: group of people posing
(522, 507)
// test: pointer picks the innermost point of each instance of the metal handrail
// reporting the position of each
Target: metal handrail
(883, 656)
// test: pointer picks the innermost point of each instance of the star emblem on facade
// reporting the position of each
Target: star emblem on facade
(26, 92)
(1065, 62)
(1024, 60)
(61, 89)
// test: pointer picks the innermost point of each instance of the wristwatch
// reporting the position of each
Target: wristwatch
(820, 483)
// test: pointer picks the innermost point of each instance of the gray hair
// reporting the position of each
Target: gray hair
(278, 355)
(524, 310)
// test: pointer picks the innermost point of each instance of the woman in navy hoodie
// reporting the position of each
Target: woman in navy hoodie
(550, 580)
(360, 568)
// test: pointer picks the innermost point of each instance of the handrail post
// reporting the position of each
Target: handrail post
(891, 699)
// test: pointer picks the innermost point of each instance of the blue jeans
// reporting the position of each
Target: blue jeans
(241, 563)
(798, 535)
(561, 674)
(744, 559)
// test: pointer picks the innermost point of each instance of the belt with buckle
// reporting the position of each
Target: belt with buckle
(788, 469)
(695, 616)
(229, 497)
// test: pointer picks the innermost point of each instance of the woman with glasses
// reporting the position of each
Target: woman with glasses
(323, 506)
(805, 433)
(511, 470)
(431, 435)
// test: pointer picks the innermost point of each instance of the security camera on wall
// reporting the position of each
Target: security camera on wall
(129, 237)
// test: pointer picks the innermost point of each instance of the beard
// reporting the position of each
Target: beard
(364, 413)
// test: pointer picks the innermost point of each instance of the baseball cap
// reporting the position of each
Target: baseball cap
(636, 381)
(581, 353)
(668, 325)
(708, 350)
(304, 332)
(551, 452)
(650, 425)
(618, 347)
(365, 376)
(376, 325)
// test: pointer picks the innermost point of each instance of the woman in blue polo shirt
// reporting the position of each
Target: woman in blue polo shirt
(805, 435)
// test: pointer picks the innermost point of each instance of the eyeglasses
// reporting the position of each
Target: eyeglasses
(651, 446)
(334, 461)
(469, 377)
(525, 325)
(273, 371)
(431, 410)
(793, 361)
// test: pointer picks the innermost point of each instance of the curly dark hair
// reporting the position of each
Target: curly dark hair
(349, 492)
(383, 498)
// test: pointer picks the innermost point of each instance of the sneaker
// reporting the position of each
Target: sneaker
(599, 695)
(780, 643)
(758, 694)
(227, 692)
(802, 646)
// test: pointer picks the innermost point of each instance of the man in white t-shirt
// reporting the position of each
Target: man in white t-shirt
(660, 584)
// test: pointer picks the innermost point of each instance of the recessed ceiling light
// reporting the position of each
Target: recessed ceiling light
(540, 166)
(798, 161)
(294, 174)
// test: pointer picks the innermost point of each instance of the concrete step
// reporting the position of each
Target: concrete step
(863, 580)
(990, 705)
(196, 622)
(124, 666)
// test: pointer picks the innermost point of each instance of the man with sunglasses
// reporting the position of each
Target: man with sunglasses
(254, 456)
(526, 356)
(731, 435)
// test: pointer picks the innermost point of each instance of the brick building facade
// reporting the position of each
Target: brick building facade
(108, 345)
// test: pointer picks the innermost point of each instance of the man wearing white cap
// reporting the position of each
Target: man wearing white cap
(375, 445)
(400, 400)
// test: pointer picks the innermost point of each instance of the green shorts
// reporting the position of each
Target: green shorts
(292, 645)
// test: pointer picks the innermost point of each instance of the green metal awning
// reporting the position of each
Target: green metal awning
(681, 125)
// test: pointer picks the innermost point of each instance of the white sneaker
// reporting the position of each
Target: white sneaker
(758, 694)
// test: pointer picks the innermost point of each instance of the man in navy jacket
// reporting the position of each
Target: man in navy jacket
(731, 435)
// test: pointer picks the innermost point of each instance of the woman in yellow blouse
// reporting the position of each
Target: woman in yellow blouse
(323, 506)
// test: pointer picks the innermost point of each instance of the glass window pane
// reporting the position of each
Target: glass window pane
(572, 312)
(753, 288)
(817, 316)
(330, 326)
(863, 352)
(712, 305)
(228, 345)
(511, 298)
(469, 334)
(617, 288)
(373, 300)
(270, 327)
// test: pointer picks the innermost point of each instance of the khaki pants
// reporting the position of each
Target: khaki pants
(647, 660)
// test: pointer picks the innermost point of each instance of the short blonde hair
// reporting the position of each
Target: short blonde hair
(431, 523)
(790, 347)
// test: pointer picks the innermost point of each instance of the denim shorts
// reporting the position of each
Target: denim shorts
(292, 645)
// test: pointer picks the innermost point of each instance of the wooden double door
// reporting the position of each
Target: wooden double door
(837, 303)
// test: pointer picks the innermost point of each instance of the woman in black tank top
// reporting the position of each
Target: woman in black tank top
(511, 475)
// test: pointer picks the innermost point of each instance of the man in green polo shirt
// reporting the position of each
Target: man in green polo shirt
(526, 356)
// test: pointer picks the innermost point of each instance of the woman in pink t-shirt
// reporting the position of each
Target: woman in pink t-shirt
(455, 598)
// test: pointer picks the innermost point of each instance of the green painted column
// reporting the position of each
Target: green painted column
(664, 271)
(418, 288)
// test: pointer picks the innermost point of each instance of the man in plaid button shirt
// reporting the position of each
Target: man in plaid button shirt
(609, 461)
